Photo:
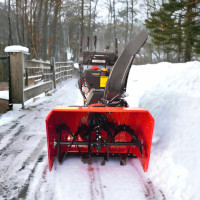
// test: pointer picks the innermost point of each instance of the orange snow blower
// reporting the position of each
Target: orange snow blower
(108, 128)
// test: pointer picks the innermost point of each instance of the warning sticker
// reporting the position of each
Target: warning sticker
(103, 81)
(96, 74)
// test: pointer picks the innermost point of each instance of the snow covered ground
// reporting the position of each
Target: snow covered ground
(171, 92)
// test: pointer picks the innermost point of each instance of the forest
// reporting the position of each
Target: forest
(55, 28)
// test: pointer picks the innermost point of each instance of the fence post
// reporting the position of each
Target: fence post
(26, 78)
(10, 85)
(53, 72)
(17, 78)
(17, 72)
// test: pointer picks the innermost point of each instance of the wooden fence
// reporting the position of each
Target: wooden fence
(63, 70)
(4, 84)
(33, 77)
(4, 70)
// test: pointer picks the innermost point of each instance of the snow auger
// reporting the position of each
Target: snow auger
(105, 129)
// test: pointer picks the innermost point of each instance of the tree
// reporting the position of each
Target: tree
(175, 27)
(10, 40)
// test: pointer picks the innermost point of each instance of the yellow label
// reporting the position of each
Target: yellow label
(103, 81)
(95, 73)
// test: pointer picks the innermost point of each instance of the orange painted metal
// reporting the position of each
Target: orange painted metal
(138, 119)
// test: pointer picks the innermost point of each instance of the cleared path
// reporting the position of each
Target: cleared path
(24, 164)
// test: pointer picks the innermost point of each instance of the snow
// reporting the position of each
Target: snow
(40, 61)
(69, 53)
(171, 92)
(4, 94)
(16, 48)
(76, 65)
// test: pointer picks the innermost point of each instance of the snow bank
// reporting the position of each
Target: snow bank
(171, 92)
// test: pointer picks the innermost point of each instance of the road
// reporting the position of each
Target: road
(24, 170)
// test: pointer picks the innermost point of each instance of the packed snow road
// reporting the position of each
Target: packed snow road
(171, 92)
(24, 164)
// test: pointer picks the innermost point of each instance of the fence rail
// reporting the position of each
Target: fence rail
(43, 72)
(35, 71)
(30, 78)
(40, 76)
(62, 71)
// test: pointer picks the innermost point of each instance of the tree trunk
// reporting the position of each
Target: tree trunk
(114, 20)
(82, 22)
(89, 26)
(188, 46)
(44, 37)
(55, 20)
(10, 40)
(38, 38)
(131, 31)
(127, 12)
(19, 41)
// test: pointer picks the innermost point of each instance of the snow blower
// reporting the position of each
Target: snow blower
(108, 128)
(94, 70)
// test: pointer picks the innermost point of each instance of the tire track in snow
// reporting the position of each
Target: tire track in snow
(96, 188)
(20, 158)
(34, 154)
(151, 192)
(6, 137)
(39, 185)
(10, 140)
(100, 182)
(16, 186)
(18, 153)
(23, 191)
(92, 180)
(8, 130)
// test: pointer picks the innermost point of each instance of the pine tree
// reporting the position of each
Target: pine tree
(176, 28)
